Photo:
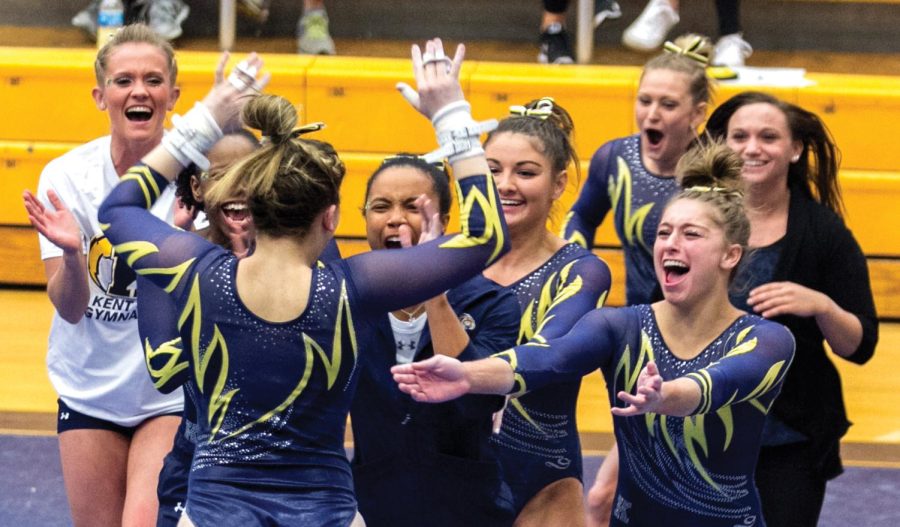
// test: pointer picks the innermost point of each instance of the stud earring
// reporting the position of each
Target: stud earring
(795, 158)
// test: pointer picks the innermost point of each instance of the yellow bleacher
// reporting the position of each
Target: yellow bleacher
(45, 96)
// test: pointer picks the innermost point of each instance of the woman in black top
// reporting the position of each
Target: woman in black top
(809, 274)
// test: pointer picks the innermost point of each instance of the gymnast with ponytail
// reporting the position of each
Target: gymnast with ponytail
(633, 177)
(271, 341)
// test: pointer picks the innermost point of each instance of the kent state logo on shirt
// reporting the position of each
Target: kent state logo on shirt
(115, 279)
(107, 272)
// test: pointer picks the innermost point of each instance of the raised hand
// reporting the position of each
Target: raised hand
(432, 228)
(435, 380)
(226, 98)
(58, 226)
(647, 397)
(437, 78)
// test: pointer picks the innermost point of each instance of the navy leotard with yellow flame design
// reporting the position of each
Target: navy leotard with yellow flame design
(538, 441)
(618, 181)
(273, 398)
(693, 471)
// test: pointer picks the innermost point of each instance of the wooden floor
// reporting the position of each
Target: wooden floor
(814, 61)
(28, 402)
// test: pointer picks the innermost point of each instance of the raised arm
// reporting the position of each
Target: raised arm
(158, 328)
(154, 249)
(593, 202)
(431, 268)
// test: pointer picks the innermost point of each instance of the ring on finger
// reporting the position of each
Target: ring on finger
(238, 83)
(445, 60)
(247, 69)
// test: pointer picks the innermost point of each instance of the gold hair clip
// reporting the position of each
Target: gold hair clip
(720, 190)
(542, 110)
(307, 129)
(689, 51)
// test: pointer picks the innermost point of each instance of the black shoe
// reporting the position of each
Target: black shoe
(555, 46)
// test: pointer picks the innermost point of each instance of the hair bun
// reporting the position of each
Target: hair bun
(275, 117)
(712, 167)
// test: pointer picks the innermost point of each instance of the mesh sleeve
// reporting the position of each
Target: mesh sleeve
(388, 280)
(158, 327)
(154, 249)
(753, 369)
(587, 347)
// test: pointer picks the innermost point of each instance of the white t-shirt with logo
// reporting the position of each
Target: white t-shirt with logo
(97, 365)
(406, 336)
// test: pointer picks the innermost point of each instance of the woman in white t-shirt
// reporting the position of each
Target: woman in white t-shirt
(114, 427)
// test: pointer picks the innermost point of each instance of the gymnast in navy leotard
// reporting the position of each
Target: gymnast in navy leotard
(273, 366)
(414, 460)
(690, 378)
(556, 283)
(633, 177)
(161, 330)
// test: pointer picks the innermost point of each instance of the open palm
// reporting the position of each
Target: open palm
(58, 226)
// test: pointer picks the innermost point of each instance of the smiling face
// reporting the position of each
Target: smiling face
(391, 206)
(691, 254)
(760, 135)
(525, 181)
(137, 92)
(667, 118)
(233, 215)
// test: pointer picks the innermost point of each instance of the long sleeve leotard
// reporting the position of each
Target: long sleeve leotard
(692, 471)
(538, 442)
(618, 181)
(272, 398)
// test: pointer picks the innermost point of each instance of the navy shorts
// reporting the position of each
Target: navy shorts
(69, 419)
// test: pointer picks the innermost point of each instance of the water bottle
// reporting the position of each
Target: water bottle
(110, 18)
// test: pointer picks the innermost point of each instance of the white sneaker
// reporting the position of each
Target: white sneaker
(165, 17)
(732, 51)
(312, 34)
(648, 31)
(86, 19)
(606, 10)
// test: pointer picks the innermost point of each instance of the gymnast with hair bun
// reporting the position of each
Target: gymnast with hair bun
(556, 282)
(270, 341)
(633, 177)
(690, 378)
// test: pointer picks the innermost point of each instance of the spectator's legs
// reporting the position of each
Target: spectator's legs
(556, 46)
(166, 16)
(649, 30)
(731, 49)
(312, 30)
(86, 19)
